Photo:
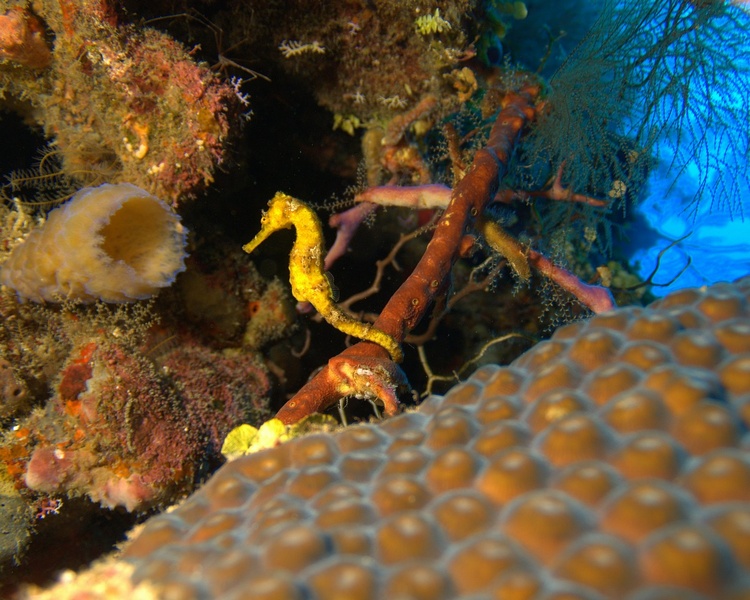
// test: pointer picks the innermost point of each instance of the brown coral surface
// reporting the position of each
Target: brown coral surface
(608, 462)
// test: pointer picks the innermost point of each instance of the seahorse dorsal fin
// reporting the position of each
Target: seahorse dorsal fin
(334, 290)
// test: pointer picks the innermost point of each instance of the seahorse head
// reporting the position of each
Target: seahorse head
(281, 212)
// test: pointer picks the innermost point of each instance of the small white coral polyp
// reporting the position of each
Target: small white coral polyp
(116, 243)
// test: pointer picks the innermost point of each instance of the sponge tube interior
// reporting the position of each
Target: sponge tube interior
(136, 235)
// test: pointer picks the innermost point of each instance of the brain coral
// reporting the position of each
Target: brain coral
(115, 243)
(608, 462)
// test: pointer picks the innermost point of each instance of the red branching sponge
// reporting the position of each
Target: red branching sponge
(365, 369)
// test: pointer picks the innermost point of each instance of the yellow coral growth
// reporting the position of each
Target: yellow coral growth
(429, 24)
(306, 273)
(247, 439)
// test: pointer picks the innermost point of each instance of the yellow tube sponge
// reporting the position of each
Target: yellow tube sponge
(115, 243)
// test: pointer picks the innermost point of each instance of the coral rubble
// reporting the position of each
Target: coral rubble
(22, 39)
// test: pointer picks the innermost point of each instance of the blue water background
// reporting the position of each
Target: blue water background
(704, 193)
(705, 200)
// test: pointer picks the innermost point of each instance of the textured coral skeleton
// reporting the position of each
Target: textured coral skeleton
(608, 462)
(105, 93)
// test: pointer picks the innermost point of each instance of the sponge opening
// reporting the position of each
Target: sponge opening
(145, 236)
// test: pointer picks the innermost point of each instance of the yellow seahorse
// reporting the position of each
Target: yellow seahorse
(306, 274)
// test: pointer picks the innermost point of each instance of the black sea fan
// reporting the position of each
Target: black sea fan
(672, 73)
